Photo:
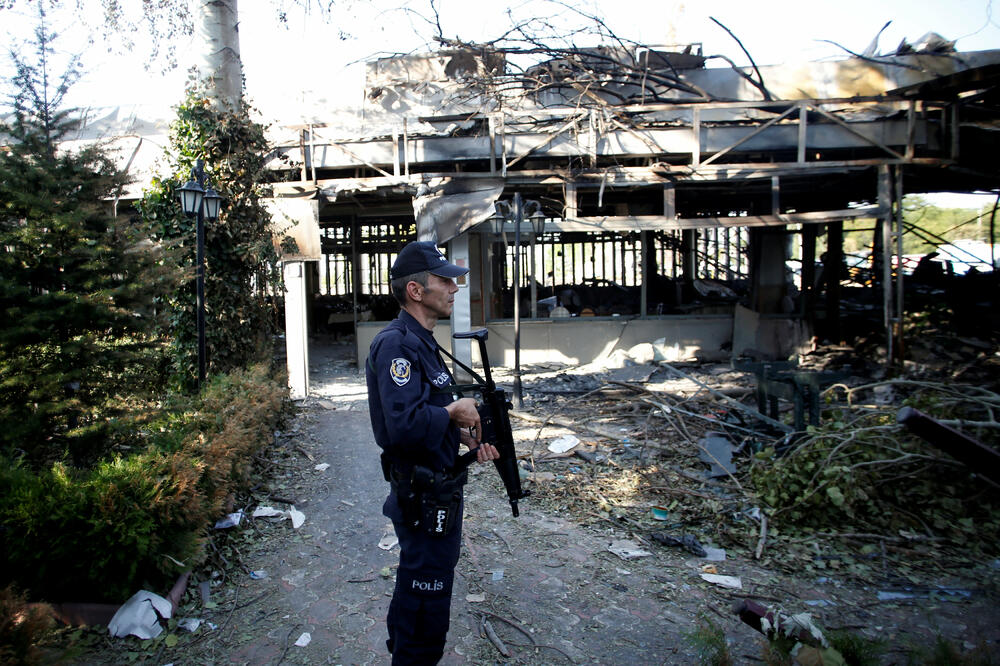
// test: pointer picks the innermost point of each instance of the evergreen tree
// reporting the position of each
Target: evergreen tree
(73, 285)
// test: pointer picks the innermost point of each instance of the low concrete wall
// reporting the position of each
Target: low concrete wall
(579, 340)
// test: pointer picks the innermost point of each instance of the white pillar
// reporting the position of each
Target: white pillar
(461, 315)
(296, 328)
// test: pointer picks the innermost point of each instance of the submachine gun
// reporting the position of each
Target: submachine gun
(493, 406)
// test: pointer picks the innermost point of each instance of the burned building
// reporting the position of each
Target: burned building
(697, 204)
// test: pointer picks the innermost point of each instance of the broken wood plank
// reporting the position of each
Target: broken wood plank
(980, 458)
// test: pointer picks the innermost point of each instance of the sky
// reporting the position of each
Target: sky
(319, 56)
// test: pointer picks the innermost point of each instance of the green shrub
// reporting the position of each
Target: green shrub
(136, 520)
(21, 627)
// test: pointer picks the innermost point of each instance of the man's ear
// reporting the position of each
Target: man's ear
(415, 291)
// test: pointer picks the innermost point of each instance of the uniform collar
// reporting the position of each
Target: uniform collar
(415, 327)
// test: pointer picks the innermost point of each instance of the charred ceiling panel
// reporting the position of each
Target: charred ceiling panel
(445, 207)
(451, 81)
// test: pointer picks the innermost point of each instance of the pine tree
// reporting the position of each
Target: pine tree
(73, 288)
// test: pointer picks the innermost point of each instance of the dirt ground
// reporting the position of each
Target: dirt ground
(580, 577)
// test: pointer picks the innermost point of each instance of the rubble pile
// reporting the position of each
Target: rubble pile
(679, 455)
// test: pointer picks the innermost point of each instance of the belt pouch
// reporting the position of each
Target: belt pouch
(408, 500)
(441, 505)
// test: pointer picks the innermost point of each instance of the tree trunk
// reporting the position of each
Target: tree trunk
(219, 63)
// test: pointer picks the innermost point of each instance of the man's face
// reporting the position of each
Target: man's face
(439, 295)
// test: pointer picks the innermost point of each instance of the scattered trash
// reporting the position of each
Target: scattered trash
(709, 569)
(716, 450)
(296, 516)
(628, 550)
(540, 477)
(326, 404)
(322, 467)
(636, 374)
(388, 542)
(660, 513)
(589, 456)
(563, 444)
(687, 542)
(822, 603)
(924, 593)
(714, 554)
(231, 520)
(731, 582)
(475, 598)
(192, 624)
(140, 616)
(497, 575)
(810, 645)
(258, 574)
(304, 639)
(205, 591)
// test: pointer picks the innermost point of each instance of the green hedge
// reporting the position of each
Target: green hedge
(139, 519)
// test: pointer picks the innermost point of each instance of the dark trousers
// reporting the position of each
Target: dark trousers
(420, 610)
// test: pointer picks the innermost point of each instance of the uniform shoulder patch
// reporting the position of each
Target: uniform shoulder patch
(399, 370)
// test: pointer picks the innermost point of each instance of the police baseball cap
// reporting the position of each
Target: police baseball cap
(422, 256)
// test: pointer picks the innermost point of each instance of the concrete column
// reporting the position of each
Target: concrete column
(768, 253)
(461, 315)
(296, 328)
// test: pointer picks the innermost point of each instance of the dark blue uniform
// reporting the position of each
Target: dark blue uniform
(404, 374)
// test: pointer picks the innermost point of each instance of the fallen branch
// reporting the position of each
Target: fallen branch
(729, 401)
(866, 535)
(492, 635)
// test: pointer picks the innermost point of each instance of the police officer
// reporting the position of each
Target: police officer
(419, 425)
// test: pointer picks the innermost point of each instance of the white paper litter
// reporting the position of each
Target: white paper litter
(296, 516)
(190, 623)
(231, 520)
(138, 616)
(714, 554)
(628, 550)
(563, 444)
(304, 639)
(322, 467)
(388, 542)
(732, 582)
(475, 598)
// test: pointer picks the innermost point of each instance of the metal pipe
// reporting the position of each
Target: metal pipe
(199, 169)
(518, 219)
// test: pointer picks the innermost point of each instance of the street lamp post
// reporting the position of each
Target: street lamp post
(200, 200)
(515, 212)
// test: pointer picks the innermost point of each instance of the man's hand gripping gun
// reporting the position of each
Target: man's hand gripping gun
(493, 409)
